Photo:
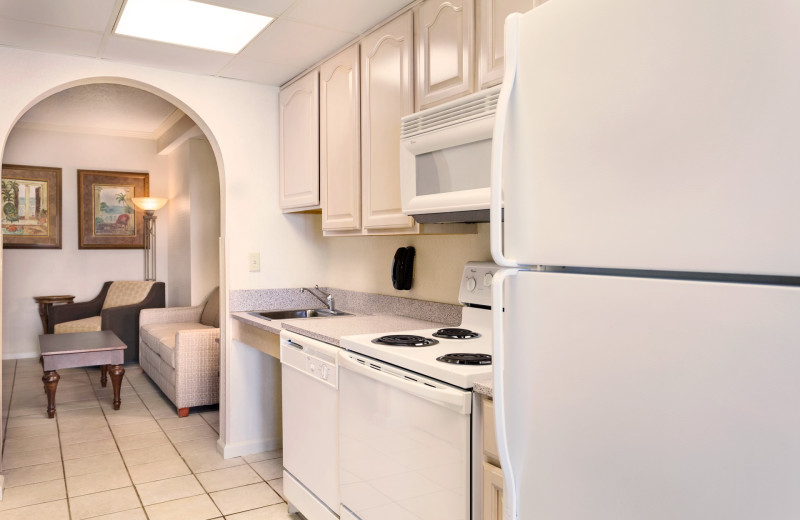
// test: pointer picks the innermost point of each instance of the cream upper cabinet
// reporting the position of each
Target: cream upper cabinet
(386, 96)
(444, 43)
(340, 158)
(491, 20)
(299, 144)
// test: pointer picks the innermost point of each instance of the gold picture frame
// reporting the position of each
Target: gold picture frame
(107, 217)
(31, 207)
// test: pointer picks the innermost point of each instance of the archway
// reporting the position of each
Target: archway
(174, 100)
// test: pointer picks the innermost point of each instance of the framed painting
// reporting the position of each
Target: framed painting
(31, 207)
(107, 218)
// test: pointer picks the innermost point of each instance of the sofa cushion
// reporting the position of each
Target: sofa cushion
(161, 337)
(85, 325)
(126, 293)
(210, 314)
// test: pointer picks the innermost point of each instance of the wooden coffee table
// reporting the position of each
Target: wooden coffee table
(81, 349)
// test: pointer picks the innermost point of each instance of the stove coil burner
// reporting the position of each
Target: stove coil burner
(456, 334)
(405, 340)
(466, 359)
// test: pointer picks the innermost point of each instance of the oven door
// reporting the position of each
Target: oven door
(404, 443)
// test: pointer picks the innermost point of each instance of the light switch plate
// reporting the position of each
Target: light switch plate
(254, 260)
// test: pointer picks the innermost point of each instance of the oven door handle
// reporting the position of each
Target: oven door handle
(459, 401)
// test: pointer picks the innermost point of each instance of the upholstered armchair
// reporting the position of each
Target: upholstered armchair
(179, 350)
(116, 308)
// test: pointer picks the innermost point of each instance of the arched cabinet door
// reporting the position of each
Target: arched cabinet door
(340, 157)
(299, 144)
(386, 96)
(490, 29)
(445, 44)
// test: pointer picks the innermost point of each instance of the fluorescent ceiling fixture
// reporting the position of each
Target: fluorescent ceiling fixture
(193, 24)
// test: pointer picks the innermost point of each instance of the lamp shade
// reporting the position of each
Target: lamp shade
(149, 203)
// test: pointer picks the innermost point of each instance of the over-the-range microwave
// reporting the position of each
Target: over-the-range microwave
(445, 160)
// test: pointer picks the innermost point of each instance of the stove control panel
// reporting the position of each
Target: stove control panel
(476, 283)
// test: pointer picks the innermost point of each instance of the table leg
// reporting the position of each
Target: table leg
(43, 314)
(50, 379)
(103, 374)
(116, 372)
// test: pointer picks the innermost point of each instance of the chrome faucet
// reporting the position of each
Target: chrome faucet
(328, 297)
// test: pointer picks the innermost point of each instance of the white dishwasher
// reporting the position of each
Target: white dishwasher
(309, 369)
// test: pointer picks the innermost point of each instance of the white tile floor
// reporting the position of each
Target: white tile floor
(140, 462)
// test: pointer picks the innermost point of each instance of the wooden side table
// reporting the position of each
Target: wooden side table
(45, 302)
(81, 349)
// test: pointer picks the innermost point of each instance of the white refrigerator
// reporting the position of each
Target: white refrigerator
(647, 327)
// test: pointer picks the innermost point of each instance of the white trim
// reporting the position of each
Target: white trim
(229, 451)
(86, 130)
(22, 355)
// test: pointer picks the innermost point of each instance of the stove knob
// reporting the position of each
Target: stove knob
(325, 372)
(487, 279)
(471, 284)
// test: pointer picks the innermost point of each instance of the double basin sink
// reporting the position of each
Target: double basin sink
(298, 313)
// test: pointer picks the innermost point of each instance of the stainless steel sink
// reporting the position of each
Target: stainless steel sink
(298, 313)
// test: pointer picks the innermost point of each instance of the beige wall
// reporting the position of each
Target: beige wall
(364, 263)
(194, 231)
(204, 224)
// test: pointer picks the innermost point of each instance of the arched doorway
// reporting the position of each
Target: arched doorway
(70, 185)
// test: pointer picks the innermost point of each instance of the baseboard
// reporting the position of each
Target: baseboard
(23, 355)
(239, 449)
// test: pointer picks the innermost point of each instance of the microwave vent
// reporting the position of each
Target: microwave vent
(476, 106)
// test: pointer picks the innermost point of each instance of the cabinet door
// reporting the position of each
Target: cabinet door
(491, 20)
(445, 41)
(386, 96)
(492, 492)
(340, 159)
(299, 144)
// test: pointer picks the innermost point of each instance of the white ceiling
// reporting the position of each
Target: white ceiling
(103, 109)
(304, 32)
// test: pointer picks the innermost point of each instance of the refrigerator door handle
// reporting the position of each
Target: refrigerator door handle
(510, 499)
(498, 143)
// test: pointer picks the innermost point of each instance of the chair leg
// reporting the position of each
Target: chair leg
(183, 412)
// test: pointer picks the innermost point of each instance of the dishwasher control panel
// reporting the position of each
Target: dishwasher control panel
(311, 357)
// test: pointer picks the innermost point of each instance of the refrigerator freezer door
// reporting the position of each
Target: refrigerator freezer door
(653, 135)
(631, 398)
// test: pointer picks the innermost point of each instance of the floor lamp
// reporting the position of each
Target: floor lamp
(149, 205)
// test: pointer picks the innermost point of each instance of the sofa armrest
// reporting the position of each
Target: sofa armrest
(196, 361)
(77, 311)
(171, 315)
(124, 319)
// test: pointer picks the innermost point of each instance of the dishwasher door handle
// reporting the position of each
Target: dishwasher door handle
(456, 400)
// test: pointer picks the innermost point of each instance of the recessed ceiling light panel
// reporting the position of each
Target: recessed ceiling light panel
(192, 24)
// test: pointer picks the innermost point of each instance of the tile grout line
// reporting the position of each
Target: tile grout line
(61, 451)
(99, 400)
(8, 417)
(116, 443)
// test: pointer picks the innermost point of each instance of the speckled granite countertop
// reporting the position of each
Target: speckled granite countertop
(485, 387)
(373, 313)
(331, 329)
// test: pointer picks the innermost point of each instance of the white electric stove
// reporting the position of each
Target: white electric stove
(450, 356)
(405, 413)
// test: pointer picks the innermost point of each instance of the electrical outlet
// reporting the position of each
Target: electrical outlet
(254, 259)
